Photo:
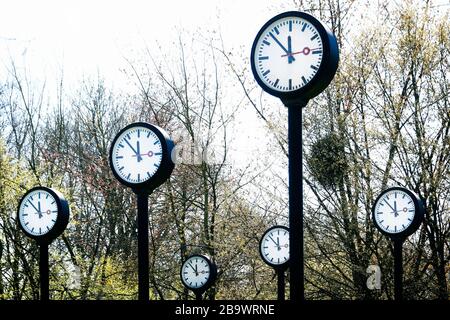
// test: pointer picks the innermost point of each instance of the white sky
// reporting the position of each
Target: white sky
(84, 37)
(90, 37)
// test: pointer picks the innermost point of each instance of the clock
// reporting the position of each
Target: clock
(198, 273)
(43, 214)
(141, 156)
(397, 212)
(294, 56)
(274, 247)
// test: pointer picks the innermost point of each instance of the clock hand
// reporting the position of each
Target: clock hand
(279, 43)
(305, 51)
(38, 211)
(290, 57)
(389, 205)
(138, 153)
(395, 209)
(273, 241)
(190, 265)
(39, 207)
(150, 154)
(130, 146)
(278, 243)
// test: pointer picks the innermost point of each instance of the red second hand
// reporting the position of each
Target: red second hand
(305, 51)
(150, 154)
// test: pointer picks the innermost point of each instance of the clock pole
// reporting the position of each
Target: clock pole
(398, 269)
(124, 165)
(143, 260)
(282, 79)
(281, 285)
(413, 210)
(43, 270)
(296, 264)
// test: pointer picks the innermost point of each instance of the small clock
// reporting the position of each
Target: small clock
(43, 214)
(274, 247)
(141, 156)
(397, 212)
(294, 56)
(198, 273)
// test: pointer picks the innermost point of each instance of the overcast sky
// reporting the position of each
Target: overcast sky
(85, 36)
(90, 37)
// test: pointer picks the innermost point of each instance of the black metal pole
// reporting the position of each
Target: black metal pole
(43, 271)
(281, 284)
(143, 265)
(297, 289)
(398, 270)
(198, 296)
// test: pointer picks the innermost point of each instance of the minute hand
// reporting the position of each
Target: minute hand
(282, 47)
(131, 146)
(389, 205)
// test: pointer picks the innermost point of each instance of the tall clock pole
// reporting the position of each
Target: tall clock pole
(294, 57)
(276, 253)
(397, 213)
(43, 214)
(141, 158)
(143, 259)
(295, 141)
(398, 269)
(43, 271)
(280, 285)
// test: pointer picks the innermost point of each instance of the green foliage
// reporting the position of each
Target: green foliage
(327, 160)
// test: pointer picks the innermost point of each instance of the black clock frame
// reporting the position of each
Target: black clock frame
(212, 278)
(285, 264)
(324, 75)
(417, 220)
(165, 169)
(62, 218)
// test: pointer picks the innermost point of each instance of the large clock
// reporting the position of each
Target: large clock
(274, 247)
(294, 56)
(397, 212)
(43, 214)
(198, 273)
(141, 156)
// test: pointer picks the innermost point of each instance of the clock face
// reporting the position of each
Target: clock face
(394, 211)
(137, 154)
(38, 212)
(274, 246)
(288, 54)
(195, 272)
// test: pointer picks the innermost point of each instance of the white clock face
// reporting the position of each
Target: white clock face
(394, 211)
(38, 212)
(288, 54)
(275, 246)
(137, 154)
(195, 272)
